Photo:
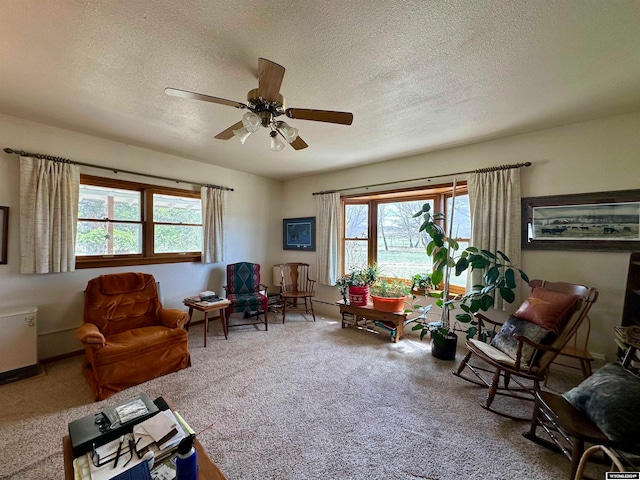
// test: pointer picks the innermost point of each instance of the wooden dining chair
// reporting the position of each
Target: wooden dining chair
(295, 288)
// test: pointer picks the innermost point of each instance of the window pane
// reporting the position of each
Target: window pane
(106, 202)
(401, 247)
(356, 223)
(174, 209)
(460, 281)
(108, 238)
(177, 238)
(461, 217)
(355, 254)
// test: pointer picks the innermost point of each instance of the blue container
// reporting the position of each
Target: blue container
(187, 460)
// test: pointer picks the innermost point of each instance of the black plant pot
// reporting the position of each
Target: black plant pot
(447, 350)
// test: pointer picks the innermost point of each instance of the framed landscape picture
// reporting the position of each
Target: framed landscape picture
(589, 221)
(299, 234)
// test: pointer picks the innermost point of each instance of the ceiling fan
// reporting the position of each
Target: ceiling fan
(265, 103)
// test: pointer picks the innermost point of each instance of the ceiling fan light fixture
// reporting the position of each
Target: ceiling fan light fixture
(276, 142)
(242, 134)
(288, 132)
(251, 122)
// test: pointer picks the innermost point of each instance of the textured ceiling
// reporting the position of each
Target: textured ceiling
(418, 75)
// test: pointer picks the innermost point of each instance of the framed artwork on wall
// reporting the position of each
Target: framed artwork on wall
(585, 221)
(299, 234)
(4, 234)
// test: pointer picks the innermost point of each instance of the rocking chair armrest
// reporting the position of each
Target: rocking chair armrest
(493, 316)
(538, 346)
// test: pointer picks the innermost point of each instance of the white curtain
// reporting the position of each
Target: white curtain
(328, 239)
(494, 199)
(212, 224)
(48, 215)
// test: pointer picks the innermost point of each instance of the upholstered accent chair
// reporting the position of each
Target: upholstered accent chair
(128, 337)
(520, 347)
(246, 294)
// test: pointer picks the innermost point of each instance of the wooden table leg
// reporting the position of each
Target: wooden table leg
(186, 327)
(206, 327)
(225, 325)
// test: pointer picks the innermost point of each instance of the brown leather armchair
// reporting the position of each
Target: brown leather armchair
(127, 336)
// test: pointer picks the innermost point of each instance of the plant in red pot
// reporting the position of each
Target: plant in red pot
(354, 286)
(389, 297)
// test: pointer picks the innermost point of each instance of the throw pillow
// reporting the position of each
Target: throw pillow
(506, 342)
(609, 398)
(547, 308)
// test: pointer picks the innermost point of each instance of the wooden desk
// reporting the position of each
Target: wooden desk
(368, 313)
(207, 470)
(207, 307)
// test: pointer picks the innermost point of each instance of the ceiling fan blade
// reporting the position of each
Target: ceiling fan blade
(228, 133)
(299, 144)
(175, 92)
(344, 118)
(270, 77)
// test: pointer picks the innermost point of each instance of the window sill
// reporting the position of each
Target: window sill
(106, 262)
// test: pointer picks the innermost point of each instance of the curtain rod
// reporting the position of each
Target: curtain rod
(114, 170)
(481, 170)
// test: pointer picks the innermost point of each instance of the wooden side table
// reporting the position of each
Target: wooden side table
(207, 307)
(367, 312)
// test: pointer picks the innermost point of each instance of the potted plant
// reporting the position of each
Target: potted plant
(421, 283)
(498, 277)
(389, 297)
(354, 286)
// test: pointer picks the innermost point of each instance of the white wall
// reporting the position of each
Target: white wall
(252, 233)
(593, 156)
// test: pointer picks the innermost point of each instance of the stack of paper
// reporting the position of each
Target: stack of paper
(160, 434)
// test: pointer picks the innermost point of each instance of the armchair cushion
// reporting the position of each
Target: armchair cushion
(122, 283)
(609, 398)
(547, 308)
(506, 341)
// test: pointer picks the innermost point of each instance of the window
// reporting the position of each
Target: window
(381, 229)
(127, 223)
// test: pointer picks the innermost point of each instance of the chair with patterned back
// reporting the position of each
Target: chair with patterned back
(246, 293)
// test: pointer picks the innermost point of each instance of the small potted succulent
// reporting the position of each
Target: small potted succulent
(389, 297)
(354, 286)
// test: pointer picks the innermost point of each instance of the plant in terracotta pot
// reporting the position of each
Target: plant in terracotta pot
(498, 278)
(389, 297)
(354, 286)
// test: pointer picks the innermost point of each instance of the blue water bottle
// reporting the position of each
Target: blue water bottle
(187, 460)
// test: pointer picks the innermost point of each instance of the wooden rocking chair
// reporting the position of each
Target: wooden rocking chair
(558, 306)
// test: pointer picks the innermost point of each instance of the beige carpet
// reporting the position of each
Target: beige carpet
(302, 401)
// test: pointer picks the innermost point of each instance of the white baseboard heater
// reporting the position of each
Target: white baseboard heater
(18, 343)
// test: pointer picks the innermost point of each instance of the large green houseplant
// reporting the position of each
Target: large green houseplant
(499, 277)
